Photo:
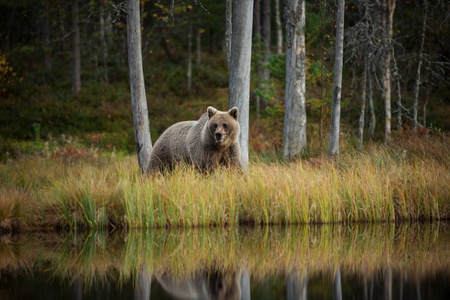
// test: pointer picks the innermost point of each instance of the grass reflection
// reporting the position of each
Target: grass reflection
(413, 250)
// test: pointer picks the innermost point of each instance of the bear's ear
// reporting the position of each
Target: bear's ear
(234, 112)
(211, 112)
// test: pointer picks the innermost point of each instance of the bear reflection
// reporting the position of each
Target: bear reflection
(206, 285)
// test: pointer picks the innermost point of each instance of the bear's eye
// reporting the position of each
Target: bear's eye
(215, 126)
(225, 126)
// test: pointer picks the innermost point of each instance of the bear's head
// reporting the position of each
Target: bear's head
(223, 126)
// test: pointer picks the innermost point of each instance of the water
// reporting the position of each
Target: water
(298, 262)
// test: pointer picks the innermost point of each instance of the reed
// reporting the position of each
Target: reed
(384, 184)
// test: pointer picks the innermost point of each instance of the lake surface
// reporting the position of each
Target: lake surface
(386, 261)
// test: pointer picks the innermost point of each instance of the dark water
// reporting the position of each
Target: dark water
(298, 262)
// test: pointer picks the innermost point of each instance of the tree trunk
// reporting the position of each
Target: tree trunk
(363, 106)
(294, 133)
(387, 97)
(333, 148)
(228, 30)
(399, 93)
(388, 16)
(240, 59)
(198, 47)
(419, 66)
(76, 54)
(103, 42)
(372, 119)
(189, 59)
(279, 29)
(427, 99)
(266, 30)
(46, 36)
(137, 87)
(108, 27)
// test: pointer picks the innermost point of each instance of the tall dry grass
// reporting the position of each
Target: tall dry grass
(405, 181)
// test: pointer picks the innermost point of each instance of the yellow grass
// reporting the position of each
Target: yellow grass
(384, 184)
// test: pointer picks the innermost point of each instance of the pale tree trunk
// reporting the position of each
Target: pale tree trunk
(108, 27)
(266, 30)
(425, 104)
(189, 59)
(228, 30)
(399, 94)
(137, 87)
(76, 53)
(297, 286)
(337, 286)
(333, 147)
(103, 42)
(363, 92)
(419, 66)
(363, 106)
(388, 16)
(294, 133)
(198, 47)
(427, 95)
(387, 98)
(279, 29)
(372, 118)
(240, 59)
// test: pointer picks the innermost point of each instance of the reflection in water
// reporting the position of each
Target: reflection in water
(298, 262)
(209, 285)
(337, 287)
(296, 285)
(143, 285)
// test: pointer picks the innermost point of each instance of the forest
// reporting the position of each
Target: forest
(365, 80)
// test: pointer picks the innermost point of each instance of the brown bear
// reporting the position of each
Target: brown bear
(208, 143)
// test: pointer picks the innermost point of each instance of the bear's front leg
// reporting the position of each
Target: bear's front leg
(235, 157)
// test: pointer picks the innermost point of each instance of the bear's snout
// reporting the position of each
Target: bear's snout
(219, 138)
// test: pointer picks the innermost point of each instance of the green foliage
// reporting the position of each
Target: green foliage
(277, 66)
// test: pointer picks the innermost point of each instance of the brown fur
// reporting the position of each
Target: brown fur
(208, 143)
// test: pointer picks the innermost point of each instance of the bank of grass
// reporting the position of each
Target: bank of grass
(408, 180)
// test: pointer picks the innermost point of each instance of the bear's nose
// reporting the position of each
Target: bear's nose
(218, 135)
